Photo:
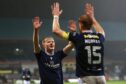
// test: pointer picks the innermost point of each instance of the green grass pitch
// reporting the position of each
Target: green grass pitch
(108, 82)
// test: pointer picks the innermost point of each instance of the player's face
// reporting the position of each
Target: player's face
(72, 27)
(49, 44)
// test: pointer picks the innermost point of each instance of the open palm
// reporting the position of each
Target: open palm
(36, 22)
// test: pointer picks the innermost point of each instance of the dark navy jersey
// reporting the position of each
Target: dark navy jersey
(26, 74)
(89, 53)
(50, 67)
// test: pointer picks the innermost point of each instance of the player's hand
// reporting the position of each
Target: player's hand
(72, 29)
(89, 10)
(36, 22)
(56, 9)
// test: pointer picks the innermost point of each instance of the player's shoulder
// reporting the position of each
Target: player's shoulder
(41, 53)
(58, 52)
(98, 34)
(101, 37)
(74, 34)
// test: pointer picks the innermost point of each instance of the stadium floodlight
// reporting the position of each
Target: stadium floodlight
(18, 51)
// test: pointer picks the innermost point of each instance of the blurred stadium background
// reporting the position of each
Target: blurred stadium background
(16, 48)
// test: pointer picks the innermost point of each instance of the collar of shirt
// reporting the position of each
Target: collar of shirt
(50, 54)
(88, 31)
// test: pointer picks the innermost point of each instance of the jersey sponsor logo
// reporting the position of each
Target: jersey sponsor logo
(91, 36)
(52, 65)
(51, 62)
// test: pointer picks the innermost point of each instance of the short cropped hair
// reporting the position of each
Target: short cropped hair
(43, 41)
(86, 22)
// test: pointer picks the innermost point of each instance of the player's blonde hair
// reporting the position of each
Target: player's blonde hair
(43, 41)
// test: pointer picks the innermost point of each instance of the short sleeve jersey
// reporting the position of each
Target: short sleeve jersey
(50, 67)
(89, 53)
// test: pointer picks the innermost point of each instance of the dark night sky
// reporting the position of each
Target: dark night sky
(16, 15)
(105, 10)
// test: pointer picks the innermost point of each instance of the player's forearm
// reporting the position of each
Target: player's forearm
(56, 27)
(36, 40)
(68, 47)
(98, 27)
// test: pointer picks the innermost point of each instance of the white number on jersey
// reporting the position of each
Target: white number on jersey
(93, 52)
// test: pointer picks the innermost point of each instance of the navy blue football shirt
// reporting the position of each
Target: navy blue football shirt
(89, 53)
(50, 67)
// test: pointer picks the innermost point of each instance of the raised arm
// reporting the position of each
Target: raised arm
(36, 25)
(56, 12)
(89, 9)
(68, 47)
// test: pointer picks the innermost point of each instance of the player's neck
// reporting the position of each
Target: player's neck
(49, 52)
(86, 31)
